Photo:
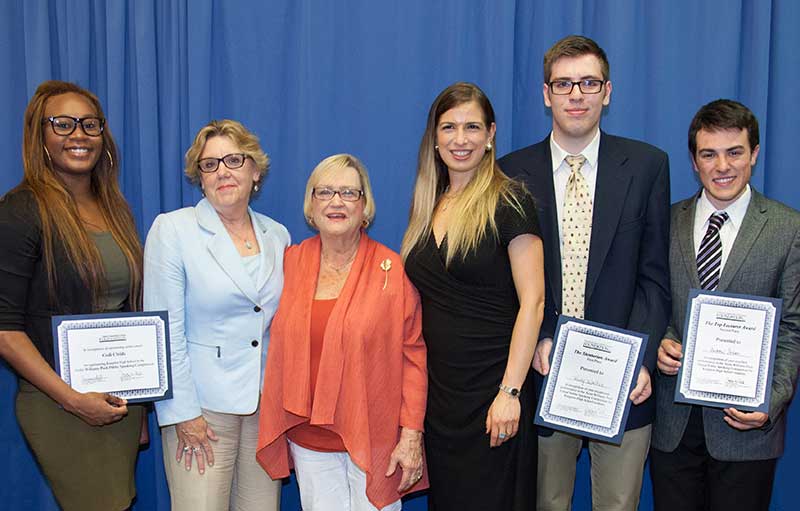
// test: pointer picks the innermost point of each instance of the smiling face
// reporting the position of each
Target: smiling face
(724, 162)
(462, 135)
(335, 217)
(227, 188)
(74, 155)
(576, 116)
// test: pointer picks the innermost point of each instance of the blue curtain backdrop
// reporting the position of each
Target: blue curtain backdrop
(313, 78)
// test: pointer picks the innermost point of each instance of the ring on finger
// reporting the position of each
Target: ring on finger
(187, 448)
(197, 451)
(501, 435)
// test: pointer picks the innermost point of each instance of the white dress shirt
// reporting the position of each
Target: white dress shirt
(730, 228)
(561, 172)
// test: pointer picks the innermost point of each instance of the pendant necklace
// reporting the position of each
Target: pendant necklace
(246, 241)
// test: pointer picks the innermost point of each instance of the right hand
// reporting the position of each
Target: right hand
(97, 409)
(193, 439)
(669, 357)
(541, 357)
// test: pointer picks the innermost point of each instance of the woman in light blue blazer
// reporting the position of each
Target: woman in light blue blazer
(218, 269)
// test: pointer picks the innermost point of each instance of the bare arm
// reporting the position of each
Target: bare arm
(527, 268)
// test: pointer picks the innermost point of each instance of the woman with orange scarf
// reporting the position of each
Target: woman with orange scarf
(346, 382)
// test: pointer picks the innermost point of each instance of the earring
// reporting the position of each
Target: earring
(110, 159)
(365, 223)
(489, 145)
(436, 147)
(49, 159)
(255, 187)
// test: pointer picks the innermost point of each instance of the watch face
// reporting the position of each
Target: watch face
(509, 390)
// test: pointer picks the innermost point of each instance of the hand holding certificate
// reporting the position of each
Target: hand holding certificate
(592, 371)
(124, 354)
(728, 351)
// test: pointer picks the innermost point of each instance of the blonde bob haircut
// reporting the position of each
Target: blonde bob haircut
(331, 165)
(473, 210)
(246, 140)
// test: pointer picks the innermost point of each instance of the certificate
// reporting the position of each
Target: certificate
(125, 354)
(593, 369)
(728, 350)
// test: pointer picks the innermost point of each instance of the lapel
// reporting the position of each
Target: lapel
(754, 220)
(683, 224)
(540, 175)
(224, 252)
(268, 253)
(613, 180)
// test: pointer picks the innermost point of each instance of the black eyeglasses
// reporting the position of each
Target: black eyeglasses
(64, 125)
(232, 161)
(346, 194)
(588, 86)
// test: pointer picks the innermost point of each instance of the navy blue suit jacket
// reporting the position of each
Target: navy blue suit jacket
(627, 284)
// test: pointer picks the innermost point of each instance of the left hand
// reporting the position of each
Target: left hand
(643, 389)
(408, 454)
(503, 417)
(745, 420)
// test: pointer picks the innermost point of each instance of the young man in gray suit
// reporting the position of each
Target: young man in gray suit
(603, 207)
(730, 238)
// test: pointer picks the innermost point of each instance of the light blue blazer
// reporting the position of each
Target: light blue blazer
(219, 316)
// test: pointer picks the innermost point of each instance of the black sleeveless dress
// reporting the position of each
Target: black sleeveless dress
(468, 314)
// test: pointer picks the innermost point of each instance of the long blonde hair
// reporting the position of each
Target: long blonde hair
(473, 210)
(58, 211)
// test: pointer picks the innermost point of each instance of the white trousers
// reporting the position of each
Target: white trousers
(330, 481)
(236, 481)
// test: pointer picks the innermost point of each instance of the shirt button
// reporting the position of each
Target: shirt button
(254, 343)
(257, 308)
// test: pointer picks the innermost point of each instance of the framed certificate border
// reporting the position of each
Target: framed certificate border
(64, 325)
(772, 309)
(613, 433)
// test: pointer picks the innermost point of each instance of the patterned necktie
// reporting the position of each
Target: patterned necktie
(576, 226)
(709, 257)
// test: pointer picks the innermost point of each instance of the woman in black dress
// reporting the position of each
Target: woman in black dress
(473, 250)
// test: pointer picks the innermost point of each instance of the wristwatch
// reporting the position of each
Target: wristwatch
(511, 391)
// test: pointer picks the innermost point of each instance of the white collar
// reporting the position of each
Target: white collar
(736, 211)
(590, 152)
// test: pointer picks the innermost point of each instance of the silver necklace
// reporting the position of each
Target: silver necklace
(246, 241)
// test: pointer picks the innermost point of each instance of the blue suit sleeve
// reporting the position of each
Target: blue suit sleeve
(164, 289)
(652, 300)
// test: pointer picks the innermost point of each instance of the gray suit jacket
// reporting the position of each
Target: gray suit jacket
(764, 261)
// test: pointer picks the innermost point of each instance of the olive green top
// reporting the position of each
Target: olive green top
(118, 275)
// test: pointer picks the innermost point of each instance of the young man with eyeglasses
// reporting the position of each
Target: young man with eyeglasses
(603, 204)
